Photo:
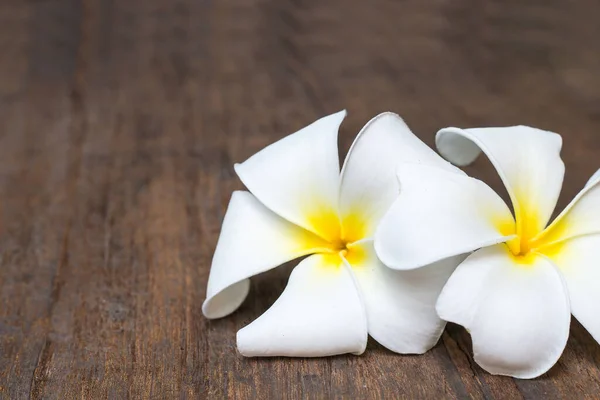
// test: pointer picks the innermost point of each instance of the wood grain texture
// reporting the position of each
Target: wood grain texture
(119, 125)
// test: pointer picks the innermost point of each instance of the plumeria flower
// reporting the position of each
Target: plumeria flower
(515, 295)
(300, 204)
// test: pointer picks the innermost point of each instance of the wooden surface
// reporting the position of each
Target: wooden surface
(119, 125)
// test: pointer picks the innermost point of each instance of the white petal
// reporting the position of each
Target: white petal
(401, 304)
(579, 261)
(298, 176)
(439, 214)
(320, 313)
(518, 314)
(527, 159)
(581, 217)
(369, 183)
(594, 178)
(253, 240)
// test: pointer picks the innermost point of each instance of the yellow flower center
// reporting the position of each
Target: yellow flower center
(339, 246)
(520, 246)
(341, 235)
(530, 238)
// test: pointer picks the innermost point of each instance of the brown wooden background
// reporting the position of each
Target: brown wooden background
(119, 124)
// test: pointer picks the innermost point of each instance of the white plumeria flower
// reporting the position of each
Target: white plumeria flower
(299, 204)
(516, 294)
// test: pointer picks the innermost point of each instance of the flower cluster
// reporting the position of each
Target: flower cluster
(400, 241)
